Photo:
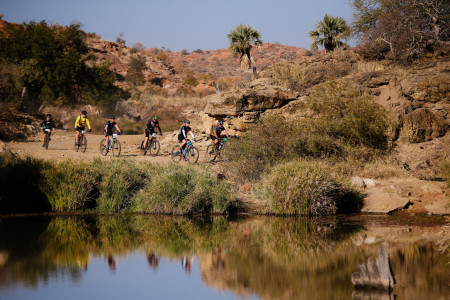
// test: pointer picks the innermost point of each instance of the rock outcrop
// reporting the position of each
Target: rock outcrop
(248, 102)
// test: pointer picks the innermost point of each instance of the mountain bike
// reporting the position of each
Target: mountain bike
(152, 146)
(213, 152)
(82, 143)
(190, 153)
(47, 137)
(113, 146)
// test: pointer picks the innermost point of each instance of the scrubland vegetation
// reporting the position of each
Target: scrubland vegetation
(41, 63)
(31, 185)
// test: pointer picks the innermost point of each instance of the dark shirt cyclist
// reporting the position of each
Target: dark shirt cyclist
(216, 132)
(152, 123)
(48, 124)
(108, 130)
(182, 136)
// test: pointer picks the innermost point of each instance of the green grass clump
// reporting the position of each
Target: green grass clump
(303, 188)
(68, 185)
(183, 190)
(119, 181)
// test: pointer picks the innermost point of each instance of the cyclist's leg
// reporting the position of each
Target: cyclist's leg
(146, 133)
(183, 145)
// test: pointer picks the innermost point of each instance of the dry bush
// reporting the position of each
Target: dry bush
(162, 56)
(304, 74)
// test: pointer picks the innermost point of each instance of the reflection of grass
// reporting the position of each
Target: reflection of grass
(275, 258)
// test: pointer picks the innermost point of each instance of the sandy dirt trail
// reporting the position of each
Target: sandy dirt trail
(62, 147)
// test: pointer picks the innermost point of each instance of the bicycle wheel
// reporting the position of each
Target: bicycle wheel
(192, 155)
(142, 149)
(224, 153)
(103, 147)
(154, 148)
(175, 155)
(116, 148)
(83, 143)
(210, 154)
(76, 145)
(46, 141)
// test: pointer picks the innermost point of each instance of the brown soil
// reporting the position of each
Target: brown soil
(62, 147)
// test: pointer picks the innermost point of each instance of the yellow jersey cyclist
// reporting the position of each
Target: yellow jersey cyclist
(80, 124)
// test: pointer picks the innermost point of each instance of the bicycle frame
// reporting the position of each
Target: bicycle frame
(189, 144)
(112, 140)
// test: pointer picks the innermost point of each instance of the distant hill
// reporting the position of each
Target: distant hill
(182, 71)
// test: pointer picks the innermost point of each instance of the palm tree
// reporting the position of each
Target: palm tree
(242, 39)
(330, 33)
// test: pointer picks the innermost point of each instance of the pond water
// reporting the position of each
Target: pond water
(155, 257)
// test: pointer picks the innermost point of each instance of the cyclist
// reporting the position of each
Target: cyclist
(216, 131)
(80, 123)
(152, 123)
(108, 130)
(48, 123)
(182, 136)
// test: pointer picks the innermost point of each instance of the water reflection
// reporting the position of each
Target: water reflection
(269, 258)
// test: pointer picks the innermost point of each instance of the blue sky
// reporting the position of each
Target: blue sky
(182, 24)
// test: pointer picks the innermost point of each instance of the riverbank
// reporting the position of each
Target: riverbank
(383, 189)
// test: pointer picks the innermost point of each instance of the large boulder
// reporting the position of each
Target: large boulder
(258, 97)
(423, 124)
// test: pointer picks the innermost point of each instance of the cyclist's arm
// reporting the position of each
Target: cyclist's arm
(106, 128)
(42, 124)
(88, 124)
(117, 127)
(226, 133)
(159, 128)
(193, 137)
(77, 122)
(53, 125)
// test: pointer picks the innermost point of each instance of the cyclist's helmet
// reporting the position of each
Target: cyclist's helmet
(220, 122)
(155, 117)
(84, 112)
(112, 117)
(49, 115)
(187, 121)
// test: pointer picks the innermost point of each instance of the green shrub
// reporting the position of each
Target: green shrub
(68, 185)
(301, 188)
(342, 112)
(118, 181)
(183, 190)
(344, 124)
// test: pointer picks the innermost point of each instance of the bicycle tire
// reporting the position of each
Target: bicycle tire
(46, 141)
(76, 146)
(103, 148)
(210, 154)
(83, 143)
(116, 148)
(154, 148)
(175, 155)
(142, 149)
(192, 155)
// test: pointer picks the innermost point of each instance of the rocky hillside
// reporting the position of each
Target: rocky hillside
(167, 71)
